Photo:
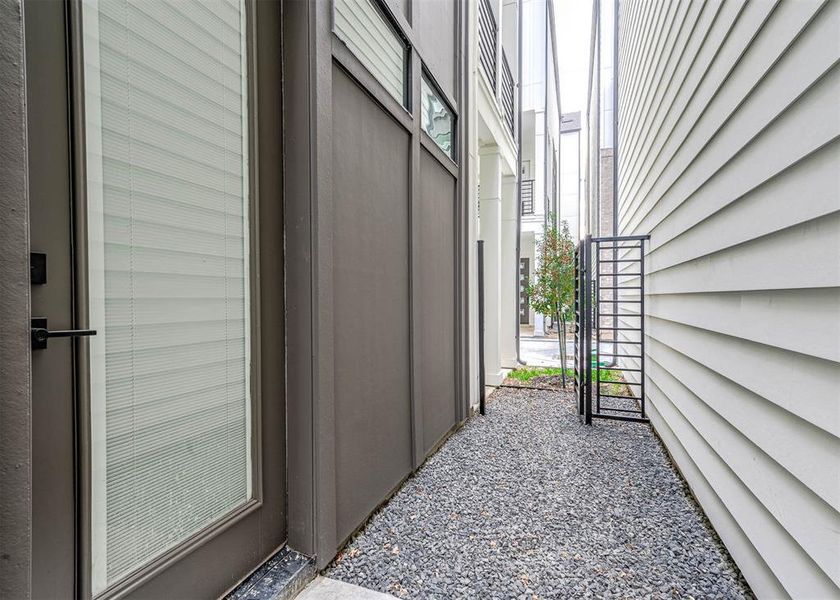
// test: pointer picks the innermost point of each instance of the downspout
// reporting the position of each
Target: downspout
(553, 30)
(519, 172)
(615, 179)
(555, 191)
(580, 190)
(592, 119)
(546, 145)
(596, 83)
(615, 120)
(586, 210)
(556, 187)
(545, 123)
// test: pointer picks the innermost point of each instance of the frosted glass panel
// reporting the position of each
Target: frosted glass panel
(435, 118)
(362, 27)
(167, 165)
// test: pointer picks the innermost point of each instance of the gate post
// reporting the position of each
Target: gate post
(586, 317)
(578, 311)
(481, 373)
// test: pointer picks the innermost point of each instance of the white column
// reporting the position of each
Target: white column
(473, 165)
(473, 228)
(509, 275)
(490, 177)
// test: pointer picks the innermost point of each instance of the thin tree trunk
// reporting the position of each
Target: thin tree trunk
(561, 338)
(565, 340)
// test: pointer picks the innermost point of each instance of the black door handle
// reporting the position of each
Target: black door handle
(40, 333)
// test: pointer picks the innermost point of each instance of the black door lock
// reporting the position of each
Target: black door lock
(40, 333)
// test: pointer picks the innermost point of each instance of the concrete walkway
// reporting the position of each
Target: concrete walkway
(545, 351)
(324, 588)
(542, 351)
(527, 503)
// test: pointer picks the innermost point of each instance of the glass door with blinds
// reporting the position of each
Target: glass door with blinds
(166, 113)
(173, 471)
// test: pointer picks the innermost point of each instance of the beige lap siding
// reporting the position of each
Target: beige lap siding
(729, 158)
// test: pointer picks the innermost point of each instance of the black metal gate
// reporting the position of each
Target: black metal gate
(610, 328)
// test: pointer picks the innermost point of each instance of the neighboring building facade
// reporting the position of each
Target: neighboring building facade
(494, 68)
(729, 159)
(236, 198)
(601, 117)
(540, 144)
(514, 142)
(571, 182)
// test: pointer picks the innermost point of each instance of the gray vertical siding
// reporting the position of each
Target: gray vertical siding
(729, 122)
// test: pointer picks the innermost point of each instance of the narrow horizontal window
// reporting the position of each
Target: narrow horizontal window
(363, 28)
(436, 118)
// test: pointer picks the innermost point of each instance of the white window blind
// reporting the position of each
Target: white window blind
(362, 27)
(167, 162)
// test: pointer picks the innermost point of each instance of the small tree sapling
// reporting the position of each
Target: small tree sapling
(553, 287)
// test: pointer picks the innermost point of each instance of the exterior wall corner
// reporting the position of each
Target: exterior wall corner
(15, 377)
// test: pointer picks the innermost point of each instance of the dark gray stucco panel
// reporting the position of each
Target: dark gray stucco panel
(370, 303)
(297, 191)
(15, 381)
(308, 235)
(462, 239)
(436, 283)
(336, 327)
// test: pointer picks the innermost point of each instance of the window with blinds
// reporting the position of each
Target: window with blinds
(361, 26)
(168, 221)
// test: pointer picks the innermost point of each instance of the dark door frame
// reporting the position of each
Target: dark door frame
(239, 542)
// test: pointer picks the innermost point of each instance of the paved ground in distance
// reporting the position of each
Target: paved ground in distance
(527, 503)
(545, 351)
(542, 351)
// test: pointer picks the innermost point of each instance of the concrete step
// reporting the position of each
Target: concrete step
(324, 588)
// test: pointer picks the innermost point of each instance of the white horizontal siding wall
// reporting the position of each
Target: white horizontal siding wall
(729, 119)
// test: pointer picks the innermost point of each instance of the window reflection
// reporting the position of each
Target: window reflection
(436, 118)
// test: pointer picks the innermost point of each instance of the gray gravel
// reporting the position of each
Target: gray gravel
(527, 503)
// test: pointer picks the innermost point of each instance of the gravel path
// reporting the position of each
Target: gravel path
(527, 503)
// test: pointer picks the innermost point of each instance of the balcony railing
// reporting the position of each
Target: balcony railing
(527, 196)
(506, 94)
(487, 32)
